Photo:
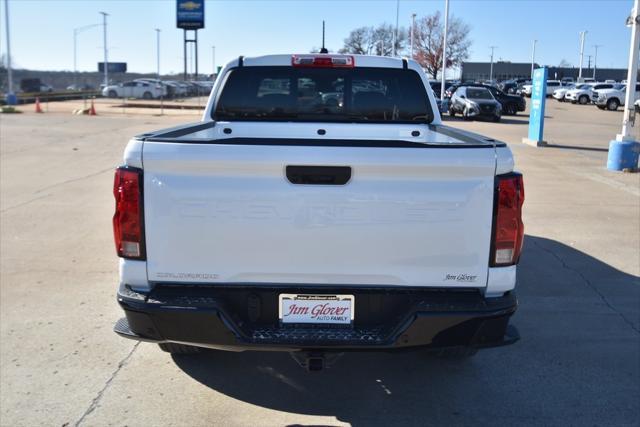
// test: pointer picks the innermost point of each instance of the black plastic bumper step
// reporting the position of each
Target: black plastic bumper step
(283, 335)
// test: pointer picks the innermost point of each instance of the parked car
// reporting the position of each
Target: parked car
(510, 104)
(407, 232)
(612, 98)
(134, 89)
(34, 85)
(159, 84)
(508, 86)
(560, 93)
(475, 101)
(436, 84)
(80, 87)
(551, 86)
(203, 87)
(583, 94)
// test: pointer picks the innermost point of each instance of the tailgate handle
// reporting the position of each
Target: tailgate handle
(319, 175)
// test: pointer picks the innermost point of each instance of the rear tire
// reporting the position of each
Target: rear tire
(113, 94)
(452, 112)
(613, 104)
(174, 348)
(147, 95)
(583, 100)
(454, 353)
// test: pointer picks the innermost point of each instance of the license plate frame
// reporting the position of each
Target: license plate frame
(321, 309)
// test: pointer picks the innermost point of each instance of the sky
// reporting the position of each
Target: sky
(41, 31)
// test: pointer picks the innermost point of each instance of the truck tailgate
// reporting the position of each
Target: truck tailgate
(227, 213)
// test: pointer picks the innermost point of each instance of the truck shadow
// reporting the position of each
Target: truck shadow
(411, 388)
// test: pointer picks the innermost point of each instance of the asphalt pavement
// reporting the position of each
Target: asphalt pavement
(578, 362)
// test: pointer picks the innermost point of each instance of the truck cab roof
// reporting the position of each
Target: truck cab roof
(358, 60)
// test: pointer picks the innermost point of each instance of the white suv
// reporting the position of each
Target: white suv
(612, 98)
(584, 94)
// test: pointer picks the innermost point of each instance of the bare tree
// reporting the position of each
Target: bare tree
(358, 42)
(429, 37)
(374, 41)
(564, 64)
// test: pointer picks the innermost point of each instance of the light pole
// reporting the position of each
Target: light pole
(595, 59)
(77, 31)
(582, 35)
(158, 53)
(106, 58)
(395, 33)
(533, 57)
(413, 28)
(624, 150)
(11, 97)
(444, 49)
(491, 69)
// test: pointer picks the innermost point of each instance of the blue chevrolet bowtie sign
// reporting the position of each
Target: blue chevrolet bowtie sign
(538, 99)
(190, 14)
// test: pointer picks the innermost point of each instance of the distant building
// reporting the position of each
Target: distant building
(503, 70)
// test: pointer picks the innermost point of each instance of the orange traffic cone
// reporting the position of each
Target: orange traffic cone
(92, 110)
(38, 108)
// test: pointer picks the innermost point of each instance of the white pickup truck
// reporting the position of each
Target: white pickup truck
(319, 206)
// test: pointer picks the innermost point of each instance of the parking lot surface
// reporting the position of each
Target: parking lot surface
(578, 362)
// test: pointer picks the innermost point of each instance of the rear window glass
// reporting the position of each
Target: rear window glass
(331, 95)
(478, 93)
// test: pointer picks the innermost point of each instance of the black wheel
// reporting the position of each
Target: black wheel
(452, 112)
(613, 104)
(113, 94)
(583, 100)
(511, 109)
(147, 95)
(174, 348)
(496, 118)
(454, 353)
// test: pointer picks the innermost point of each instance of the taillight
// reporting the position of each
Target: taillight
(128, 229)
(508, 229)
(324, 61)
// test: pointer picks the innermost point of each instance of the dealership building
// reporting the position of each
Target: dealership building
(503, 70)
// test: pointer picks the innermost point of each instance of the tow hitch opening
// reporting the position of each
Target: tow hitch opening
(315, 361)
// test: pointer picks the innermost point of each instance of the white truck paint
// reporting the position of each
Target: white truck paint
(417, 211)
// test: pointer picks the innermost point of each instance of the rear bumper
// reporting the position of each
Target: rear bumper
(238, 319)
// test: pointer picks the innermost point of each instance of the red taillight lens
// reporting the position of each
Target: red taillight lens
(127, 221)
(508, 230)
(325, 61)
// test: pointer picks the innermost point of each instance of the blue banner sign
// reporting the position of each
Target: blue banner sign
(538, 99)
(190, 14)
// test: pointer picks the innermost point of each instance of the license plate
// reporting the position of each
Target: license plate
(317, 309)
